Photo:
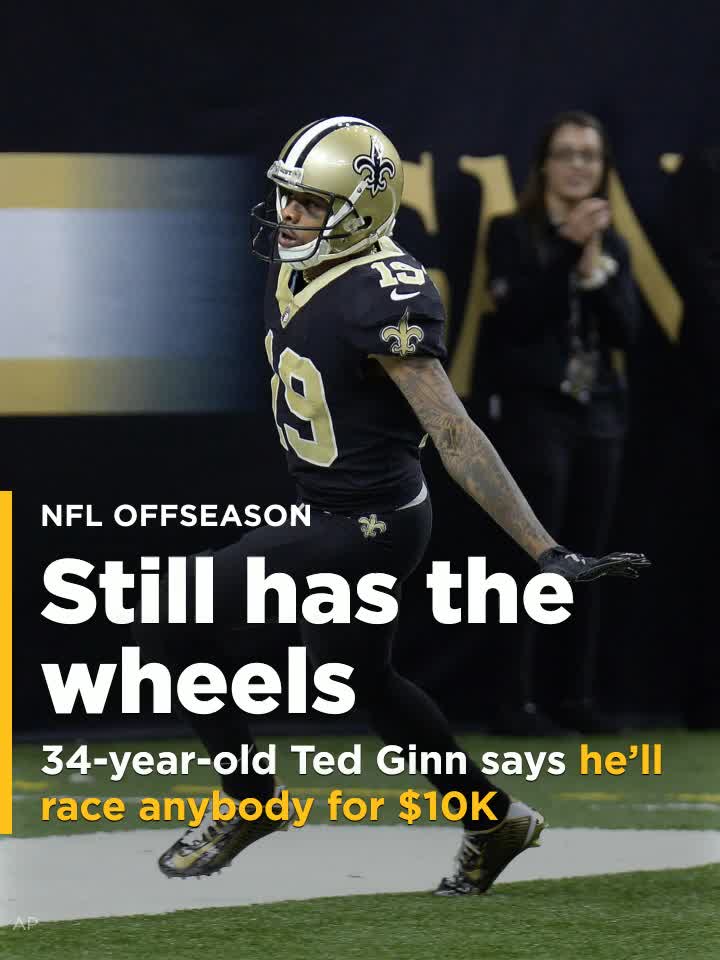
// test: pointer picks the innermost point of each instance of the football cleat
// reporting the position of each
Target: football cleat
(483, 856)
(213, 844)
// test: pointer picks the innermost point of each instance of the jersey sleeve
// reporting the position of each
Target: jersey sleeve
(399, 321)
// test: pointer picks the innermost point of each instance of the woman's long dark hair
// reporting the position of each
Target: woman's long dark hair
(532, 199)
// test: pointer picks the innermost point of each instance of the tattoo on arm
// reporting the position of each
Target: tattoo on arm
(468, 455)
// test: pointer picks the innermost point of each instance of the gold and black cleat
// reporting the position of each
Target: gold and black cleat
(484, 855)
(214, 844)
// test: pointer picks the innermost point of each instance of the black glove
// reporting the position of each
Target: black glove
(574, 566)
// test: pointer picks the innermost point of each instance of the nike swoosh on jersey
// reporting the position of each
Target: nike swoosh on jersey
(403, 296)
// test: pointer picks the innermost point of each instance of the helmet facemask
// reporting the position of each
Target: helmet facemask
(340, 223)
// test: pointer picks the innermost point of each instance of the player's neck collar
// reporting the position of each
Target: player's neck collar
(290, 299)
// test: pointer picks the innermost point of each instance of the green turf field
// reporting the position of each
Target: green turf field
(669, 915)
(663, 915)
(686, 795)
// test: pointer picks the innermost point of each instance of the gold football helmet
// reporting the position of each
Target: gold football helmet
(355, 168)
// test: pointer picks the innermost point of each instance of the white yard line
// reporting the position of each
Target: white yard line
(114, 874)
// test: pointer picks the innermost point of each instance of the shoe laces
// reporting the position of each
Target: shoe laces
(470, 854)
(207, 830)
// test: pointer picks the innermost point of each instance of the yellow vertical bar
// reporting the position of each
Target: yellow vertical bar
(5, 661)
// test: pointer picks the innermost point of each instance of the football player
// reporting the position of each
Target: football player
(354, 340)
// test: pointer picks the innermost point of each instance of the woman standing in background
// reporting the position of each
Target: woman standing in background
(565, 300)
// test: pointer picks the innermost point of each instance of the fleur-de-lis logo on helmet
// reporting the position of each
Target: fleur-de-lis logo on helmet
(407, 337)
(376, 166)
(371, 526)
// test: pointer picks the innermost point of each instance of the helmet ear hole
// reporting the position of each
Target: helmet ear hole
(355, 224)
(362, 223)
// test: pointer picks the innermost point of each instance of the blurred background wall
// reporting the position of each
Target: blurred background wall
(131, 359)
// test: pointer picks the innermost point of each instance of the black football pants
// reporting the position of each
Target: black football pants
(399, 711)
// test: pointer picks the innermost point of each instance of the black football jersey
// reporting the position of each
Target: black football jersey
(352, 440)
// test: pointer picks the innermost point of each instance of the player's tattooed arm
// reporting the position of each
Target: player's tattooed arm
(468, 455)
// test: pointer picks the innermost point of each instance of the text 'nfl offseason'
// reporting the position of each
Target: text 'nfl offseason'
(355, 343)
